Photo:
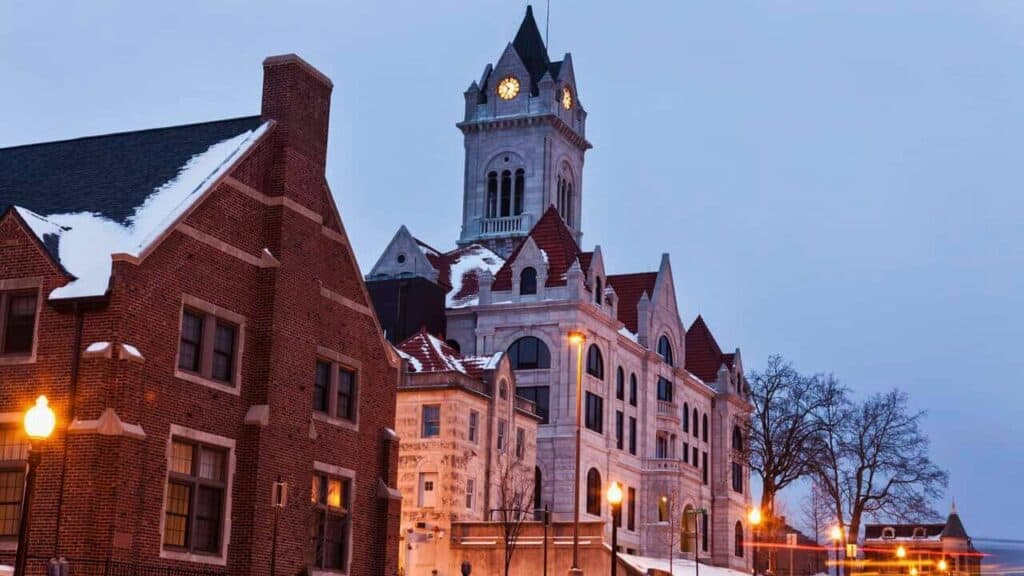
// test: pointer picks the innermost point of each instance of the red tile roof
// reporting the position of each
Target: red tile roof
(703, 355)
(630, 288)
(556, 240)
(427, 353)
(469, 261)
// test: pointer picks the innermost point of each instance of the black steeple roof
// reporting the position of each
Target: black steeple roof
(954, 527)
(529, 44)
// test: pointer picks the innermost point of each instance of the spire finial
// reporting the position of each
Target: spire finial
(952, 509)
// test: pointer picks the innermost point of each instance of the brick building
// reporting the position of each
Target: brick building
(468, 449)
(664, 407)
(940, 549)
(188, 300)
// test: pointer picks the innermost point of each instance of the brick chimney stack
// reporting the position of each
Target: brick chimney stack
(298, 97)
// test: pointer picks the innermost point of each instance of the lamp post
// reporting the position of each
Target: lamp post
(39, 423)
(615, 501)
(577, 338)
(667, 503)
(837, 537)
(754, 518)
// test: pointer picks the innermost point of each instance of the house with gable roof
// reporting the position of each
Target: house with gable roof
(663, 407)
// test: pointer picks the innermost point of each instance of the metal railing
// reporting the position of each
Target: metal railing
(36, 566)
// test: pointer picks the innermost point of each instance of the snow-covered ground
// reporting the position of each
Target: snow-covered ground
(680, 567)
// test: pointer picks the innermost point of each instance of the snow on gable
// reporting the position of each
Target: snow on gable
(414, 362)
(86, 240)
(466, 266)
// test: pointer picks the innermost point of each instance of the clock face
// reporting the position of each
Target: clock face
(566, 98)
(508, 88)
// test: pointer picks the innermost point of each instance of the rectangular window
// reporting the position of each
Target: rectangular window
(502, 425)
(737, 477)
(470, 492)
(520, 442)
(704, 532)
(619, 425)
(664, 389)
(631, 510)
(208, 346)
(595, 412)
(539, 396)
(335, 391)
(330, 523)
(322, 387)
(695, 462)
(18, 320)
(431, 421)
(632, 390)
(196, 492)
(632, 435)
(660, 447)
(13, 454)
(474, 426)
(704, 468)
(686, 452)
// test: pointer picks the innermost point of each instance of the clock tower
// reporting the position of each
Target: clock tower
(525, 137)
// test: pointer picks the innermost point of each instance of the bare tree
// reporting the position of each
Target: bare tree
(515, 488)
(783, 426)
(872, 461)
(816, 511)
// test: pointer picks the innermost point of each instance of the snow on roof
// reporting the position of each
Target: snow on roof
(625, 332)
(427, 353)
(465, 266)
(87, 239)
(414, 362)
(97, 347)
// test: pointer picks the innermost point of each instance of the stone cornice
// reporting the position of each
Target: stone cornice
(488, 124)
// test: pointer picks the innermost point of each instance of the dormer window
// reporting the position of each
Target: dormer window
(919, 532)
(528, 281)
(888, 533)
(665, 350)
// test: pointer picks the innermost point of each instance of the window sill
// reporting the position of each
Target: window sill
(347, 424)
(10, 359)
(326, 572)
(215, 384)
(195, 557)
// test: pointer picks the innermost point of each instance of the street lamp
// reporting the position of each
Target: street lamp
(577, 338)
(615, 501)
(754, 517)
(39, 423)
(837, 538)
(943, 565)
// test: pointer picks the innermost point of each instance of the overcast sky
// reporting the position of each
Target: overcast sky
(837, 182)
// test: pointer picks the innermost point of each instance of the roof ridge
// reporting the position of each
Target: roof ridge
(126, 132)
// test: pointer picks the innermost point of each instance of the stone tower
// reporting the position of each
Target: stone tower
(525, 137)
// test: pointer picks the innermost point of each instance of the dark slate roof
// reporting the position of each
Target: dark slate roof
(954, 527)
(110, 174)
(529, 44)
(902, 531)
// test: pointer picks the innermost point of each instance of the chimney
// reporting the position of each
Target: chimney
(298, 97)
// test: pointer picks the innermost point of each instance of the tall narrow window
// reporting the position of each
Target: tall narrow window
(631, 516)
(223, 352)
(506, 192)
(619, 429)
(632, 390)
(704, 468)
(13, 454)
(738, 540)
(594, 412)
(189, 350)
(492, 195)
(568, 204)
(346, 394)
(660, 446)
(331, 524)
(528, 281)
(520, 443)
(431, 421)
(696, 418)
(665, 350)
(594, 492)
(18, 320)
(686, 452)
(502, 432)
(196, 491)
(704, 532)
(474, 426)
(663, 509)
(595, 362)
(620, 384)
(322, 387)
(704, 425)
(470, 492)
(538, 488)
(517, 204)
(665, 389)
(686, 417)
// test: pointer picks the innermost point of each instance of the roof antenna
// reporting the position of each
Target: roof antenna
(547, 20)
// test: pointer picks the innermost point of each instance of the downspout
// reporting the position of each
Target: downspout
(491, 424)
(75, 358)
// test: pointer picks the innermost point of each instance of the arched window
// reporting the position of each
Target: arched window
(620, 384)
(492, 195)
(503, 390)
(739, 539)
(686, 417)
(737, 439)
(517, 203)
(529, 353)
(528, 281)
(688, 530)
(506, 193)
(594, 492)
(595, 362)
(704, 424)
(665, 350)
(597, 291)
(696, 419)
(632, 389)
(537, 488)
(888, 533)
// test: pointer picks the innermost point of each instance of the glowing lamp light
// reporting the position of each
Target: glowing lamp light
(40, 420)
(754, 516)
(577, 337)
(943, 565)
(901, 552)
(837, 533)
(913, 572)
(614, 494)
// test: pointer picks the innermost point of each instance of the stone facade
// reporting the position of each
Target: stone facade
(662, 407)
(261, 254)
